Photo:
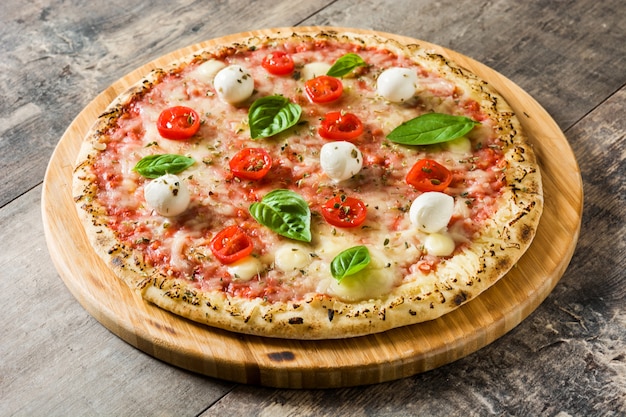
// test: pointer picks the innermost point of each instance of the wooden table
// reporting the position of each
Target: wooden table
(566, 358)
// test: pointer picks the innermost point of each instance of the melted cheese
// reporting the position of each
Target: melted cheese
(168, 195)
(439, 244)
(234, 84)
(245, 269)
(288, 269)
(341, 160)
(432, 211)
(291, 257)
(376, 279)
(397, 84)
(314, 69)
(206, 72)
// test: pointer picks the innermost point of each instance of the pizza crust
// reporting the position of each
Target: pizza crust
(458, 280)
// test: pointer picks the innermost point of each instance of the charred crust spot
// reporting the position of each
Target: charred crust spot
(413, 313)
(526, 233)
(460, 298)
(296, 320)
(331, 314)
(503, 263)
(117, 261)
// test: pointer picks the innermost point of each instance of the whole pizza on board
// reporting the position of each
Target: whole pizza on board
(309, 186)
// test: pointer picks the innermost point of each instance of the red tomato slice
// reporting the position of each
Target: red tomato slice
(323, 89)
(231, 244)
(428, 175)
(251, 163)
(178, 123)
(343, 211)
(340, 126)
(278, 63)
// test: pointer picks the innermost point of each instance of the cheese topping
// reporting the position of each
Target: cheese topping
(234, 84)
(432, 211)
(439, 244)
(207, 71)
(245, 269)
(368, 283)
(459, 146)
(397, 84)
(168, 195)
(404, 228)
(291, 257)
(314, 69)
(341, 160)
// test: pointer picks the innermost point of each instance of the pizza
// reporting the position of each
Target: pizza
(309, 185)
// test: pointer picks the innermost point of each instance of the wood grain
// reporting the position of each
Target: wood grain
(313, 364)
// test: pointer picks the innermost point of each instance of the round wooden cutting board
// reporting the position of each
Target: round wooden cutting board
(327, 363)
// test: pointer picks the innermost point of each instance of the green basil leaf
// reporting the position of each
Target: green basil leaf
(271, 115)
(349, 262)
(345, 65)
(431, 128)
(153, 166)
(286, 213)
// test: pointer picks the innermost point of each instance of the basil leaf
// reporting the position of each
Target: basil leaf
(345, 64)
(431, 128)
(271, 115)
(286, 213)
(349, 262)
(154, 166)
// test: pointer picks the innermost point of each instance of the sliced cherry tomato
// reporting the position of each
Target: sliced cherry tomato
(340, 126)
(323, 89)
(278, 63)
(231, 244)
(178, 123)
(429, 175)
(251, 163)
(344, 211)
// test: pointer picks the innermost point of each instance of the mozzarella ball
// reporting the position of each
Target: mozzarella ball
(233, 84)
(459, 146)
(439, 244)
(245, 269)
(207, 71)
(313, 69)
(168, 195)
(431, 212)
(341, 160)
(291, 257)
(397, 84)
